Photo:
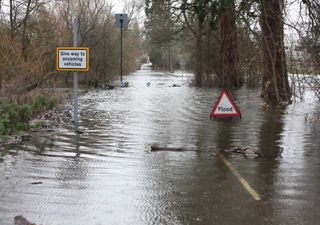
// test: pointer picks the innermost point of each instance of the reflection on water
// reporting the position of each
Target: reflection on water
(270, 134)
(109, 176)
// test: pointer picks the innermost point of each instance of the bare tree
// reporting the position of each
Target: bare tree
(24, 29)
(0, 6)
(197, 18)
(311, 40)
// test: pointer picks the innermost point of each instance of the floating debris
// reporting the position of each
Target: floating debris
(37, 182)
(156, 147)
(249, 149)
(244, 150)
(20, 220)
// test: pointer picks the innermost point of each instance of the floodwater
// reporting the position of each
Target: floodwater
(108, 176)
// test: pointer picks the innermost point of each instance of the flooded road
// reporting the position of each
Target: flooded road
(107, 175)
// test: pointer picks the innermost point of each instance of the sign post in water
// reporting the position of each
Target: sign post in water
(121, 22)
(225, 107)
(74, 59)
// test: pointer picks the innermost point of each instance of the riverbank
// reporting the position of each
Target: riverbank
(44, 122)
(19, 122)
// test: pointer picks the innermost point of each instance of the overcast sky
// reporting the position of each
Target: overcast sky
(118, 5)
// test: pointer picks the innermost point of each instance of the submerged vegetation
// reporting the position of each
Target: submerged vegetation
(16, 117)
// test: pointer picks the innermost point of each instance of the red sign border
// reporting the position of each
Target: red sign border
(212, 114)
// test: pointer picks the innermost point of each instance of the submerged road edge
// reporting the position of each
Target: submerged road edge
(244, 183)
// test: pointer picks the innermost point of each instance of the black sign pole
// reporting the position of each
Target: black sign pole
(121, 24)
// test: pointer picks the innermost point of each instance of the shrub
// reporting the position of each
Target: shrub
(93, 83)
(42, 103)
(39, 103)
(14, 117)
(4, 123)
(52, 103)
(24, 113)
(39, 124)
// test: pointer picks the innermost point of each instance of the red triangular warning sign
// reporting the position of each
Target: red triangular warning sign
(225, 106)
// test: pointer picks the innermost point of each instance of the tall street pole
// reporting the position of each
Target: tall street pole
(121, 22)
(121, 25)
(75, 77)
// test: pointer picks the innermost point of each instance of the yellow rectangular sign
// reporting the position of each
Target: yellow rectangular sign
(72, 59)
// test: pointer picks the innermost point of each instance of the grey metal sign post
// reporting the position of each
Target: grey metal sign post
(74, 59)
(75, 78)
(121, 22)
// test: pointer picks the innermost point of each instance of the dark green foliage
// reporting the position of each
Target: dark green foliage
(39, 124)
(24, 113)
(39, 103)
(14, 117)
(93, 83)
(42, 103)
(162, 31)
(52, 103)
(4, 123)
(157, 58)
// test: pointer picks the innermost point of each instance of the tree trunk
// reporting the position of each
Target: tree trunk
(229, 75)
(170, 60)
(275, 85)
(24, 30)
(208, 61)
(12, 20)
(199, 61)
(0, 80)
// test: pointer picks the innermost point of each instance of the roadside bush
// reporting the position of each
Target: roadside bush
(93, 83)
(39, 103)
(14, 117)
(42, 103)
(24, 113)
(4, 122)
(52, 103)
(39, 124)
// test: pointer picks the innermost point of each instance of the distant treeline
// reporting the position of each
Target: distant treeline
(228, 43)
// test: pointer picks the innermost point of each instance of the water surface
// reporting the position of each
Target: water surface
(109, 176)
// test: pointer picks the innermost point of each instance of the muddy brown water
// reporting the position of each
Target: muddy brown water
(107, 175)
